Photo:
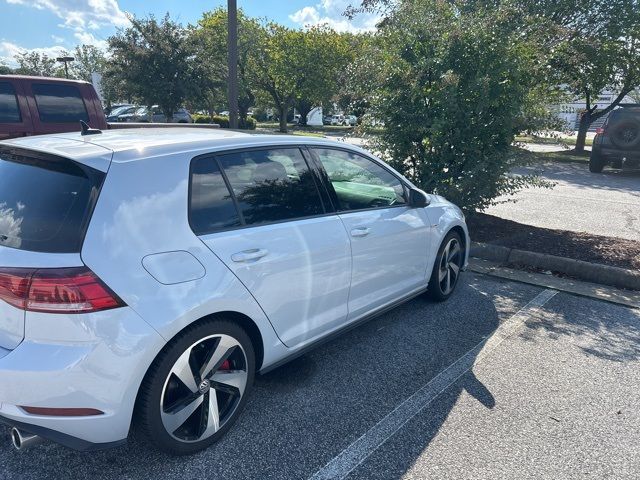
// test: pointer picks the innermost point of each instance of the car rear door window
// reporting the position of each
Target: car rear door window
(59, 103)
(360, 183)
(271, 185)
(211, 205)
(9, 110)
(45, 202)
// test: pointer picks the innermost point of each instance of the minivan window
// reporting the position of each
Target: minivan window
(360, 183)
(271, 185)
(59, 103)
(45, 202)
(211, 204)
(9, 110)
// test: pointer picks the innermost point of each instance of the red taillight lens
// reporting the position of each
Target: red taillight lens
(599, 130)
(56, 290)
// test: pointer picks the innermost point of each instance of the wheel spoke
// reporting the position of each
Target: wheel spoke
(220, 353)
(178, 415)
(182, 370)
(455, 267)
(232, 381)
(213, 416)
(441, 274)
(448, 281)
(453, 252)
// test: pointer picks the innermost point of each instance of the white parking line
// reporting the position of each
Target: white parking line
(352, 456)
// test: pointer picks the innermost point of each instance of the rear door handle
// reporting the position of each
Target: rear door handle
(360, 232)
(249, 255)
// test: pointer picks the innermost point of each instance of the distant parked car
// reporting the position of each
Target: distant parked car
(351, 120)
(155, 115)
(337, 120)
(111, 109)
(326, 120)
(617, 143)
(117, 113)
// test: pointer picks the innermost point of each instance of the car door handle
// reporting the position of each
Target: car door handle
(249, 255)
(360, 232)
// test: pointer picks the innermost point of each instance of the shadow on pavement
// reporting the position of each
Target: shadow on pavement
(303, 414)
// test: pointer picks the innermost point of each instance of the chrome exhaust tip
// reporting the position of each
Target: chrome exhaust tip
(23, 440)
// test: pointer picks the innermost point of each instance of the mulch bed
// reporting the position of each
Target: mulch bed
(579, 246)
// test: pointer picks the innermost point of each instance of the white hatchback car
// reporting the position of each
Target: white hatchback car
(147, 275)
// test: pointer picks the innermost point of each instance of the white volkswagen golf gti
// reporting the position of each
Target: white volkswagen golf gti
(146, 275)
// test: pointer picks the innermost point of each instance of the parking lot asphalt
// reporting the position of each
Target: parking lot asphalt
(605, 203)
(505, 380)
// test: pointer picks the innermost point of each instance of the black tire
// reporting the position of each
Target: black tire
(148, 417)
(437, 286)
(596, 162)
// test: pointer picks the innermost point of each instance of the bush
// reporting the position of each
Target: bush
(201, 119)
(450, 97)
(222, 121)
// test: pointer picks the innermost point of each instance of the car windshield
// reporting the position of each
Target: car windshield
(119, 110)
(141, 111)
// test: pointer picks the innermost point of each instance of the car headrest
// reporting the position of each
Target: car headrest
(269, 170)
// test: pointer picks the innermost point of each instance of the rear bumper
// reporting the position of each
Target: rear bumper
(94, 361)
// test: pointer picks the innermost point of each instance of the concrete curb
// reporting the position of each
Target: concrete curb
(590, 272)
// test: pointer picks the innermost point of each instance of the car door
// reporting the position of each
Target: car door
(389, 239)
(260, 211)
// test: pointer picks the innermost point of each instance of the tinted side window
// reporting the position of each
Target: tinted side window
(358, 182)
(9, 111)
(59, 103)
(211, 204)
(272, 185)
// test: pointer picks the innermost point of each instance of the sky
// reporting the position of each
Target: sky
(50, 26)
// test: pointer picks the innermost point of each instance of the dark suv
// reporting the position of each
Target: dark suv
(617, 143)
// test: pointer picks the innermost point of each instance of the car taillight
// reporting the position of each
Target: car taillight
(56, 290)
(600, 130)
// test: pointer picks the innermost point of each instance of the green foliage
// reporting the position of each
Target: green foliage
(37, 64)
(210, 36)
(450, 98)
(248, 123)
(153, 61)
(88, 59)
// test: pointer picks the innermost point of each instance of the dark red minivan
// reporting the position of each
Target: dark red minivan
(38, 105)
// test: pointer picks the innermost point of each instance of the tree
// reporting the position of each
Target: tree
(37, 64)
(296, 65)
(88, 59)
(450, 96)
(323, 58)
(211, 38)
(5, 69)
(154, 61)
(274, 67)
(597, 47)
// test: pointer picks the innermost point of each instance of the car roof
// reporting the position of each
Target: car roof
(130, 144)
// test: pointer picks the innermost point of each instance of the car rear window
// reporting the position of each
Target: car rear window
(9, 111)
(59, 103)
(45, 201)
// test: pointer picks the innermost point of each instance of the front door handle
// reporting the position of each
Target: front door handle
(360, 232)
(249, 255)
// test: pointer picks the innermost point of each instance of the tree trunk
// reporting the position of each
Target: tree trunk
(283, 110)
(304, 108)
(585, 121)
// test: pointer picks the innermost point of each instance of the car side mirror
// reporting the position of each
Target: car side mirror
(418, 199)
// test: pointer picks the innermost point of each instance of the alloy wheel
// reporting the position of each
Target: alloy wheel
(449, 266)
(204, 388)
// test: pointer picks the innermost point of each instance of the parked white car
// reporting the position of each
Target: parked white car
(147, 275)
(155, 115)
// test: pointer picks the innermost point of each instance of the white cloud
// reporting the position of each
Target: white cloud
(88, 38)
(9, 50)
(330, 12)
(81, 14)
